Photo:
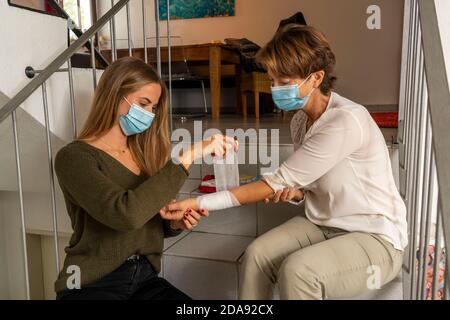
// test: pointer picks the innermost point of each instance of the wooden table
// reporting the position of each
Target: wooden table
(213, 55)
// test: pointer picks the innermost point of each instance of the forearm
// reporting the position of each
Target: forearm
(171, 229)
(252, 192)
(190, 155)
(246, 194)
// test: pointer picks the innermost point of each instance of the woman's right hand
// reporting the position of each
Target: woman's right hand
(286, 195)
(217, 146)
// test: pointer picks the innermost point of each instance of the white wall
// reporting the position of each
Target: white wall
(30, 39)
(4, 294)
(368, 62)
(443, 10)
(38, 221)
(34, 39)
(12, 267)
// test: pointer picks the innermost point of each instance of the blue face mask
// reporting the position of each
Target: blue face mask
(287, 98)
(137, 120)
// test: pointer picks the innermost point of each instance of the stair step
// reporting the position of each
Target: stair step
(205, 265)
(210, 246)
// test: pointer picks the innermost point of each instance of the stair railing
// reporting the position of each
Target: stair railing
(9, 108)
(424, 130)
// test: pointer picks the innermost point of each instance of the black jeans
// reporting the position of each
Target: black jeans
(136, 279)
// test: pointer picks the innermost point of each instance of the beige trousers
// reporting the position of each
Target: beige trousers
(312, 262)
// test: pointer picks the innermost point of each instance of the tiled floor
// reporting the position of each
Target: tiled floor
(267, 121)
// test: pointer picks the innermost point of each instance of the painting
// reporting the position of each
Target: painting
(43, 6)
(193, 9)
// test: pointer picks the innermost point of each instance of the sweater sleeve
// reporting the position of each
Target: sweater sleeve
(168, 231)
(339, 137)
(121, 209)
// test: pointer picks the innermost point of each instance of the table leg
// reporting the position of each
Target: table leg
(239, 105)
(244, 102)
(256, 96)
(215, 76)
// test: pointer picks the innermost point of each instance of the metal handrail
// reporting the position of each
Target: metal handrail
(77, 29)
(424, 113)
(31, 87)
(9, 108)
(439, 108)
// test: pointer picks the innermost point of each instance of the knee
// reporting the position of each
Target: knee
(297, 275)
(295, 268)
(255, 251)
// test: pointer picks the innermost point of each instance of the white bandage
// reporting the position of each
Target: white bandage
(217, 201)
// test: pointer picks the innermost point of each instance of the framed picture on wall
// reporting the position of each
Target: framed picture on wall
(194, 9)
(42, 6)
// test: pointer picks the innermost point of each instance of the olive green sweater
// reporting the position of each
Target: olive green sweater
(114, 212)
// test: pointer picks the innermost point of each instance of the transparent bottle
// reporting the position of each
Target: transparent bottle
(226, 172)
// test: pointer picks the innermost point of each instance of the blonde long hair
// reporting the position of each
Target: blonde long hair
(150, 149)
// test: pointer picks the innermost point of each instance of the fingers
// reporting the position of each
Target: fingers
(204, 212)
(292, 194)
(285, 194)
(187, 225)
(194, 214)
(276, 197)
(189, 217)
(171, 215)
(221, 145)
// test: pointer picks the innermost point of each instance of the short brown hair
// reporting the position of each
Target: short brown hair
(298, 51)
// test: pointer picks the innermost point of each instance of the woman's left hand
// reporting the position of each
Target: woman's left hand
(190, 220)
(175, 210)
(184, 214)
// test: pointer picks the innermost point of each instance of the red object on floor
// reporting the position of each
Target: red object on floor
(385, 119)
(205, 189)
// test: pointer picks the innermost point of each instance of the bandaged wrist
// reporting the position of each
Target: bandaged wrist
(217, 201)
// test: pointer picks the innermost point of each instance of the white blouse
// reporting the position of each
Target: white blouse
(344, 167)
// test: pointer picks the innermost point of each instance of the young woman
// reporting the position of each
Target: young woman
(354, 233)
(115, 178)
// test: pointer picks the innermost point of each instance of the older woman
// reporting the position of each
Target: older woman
(354, 233)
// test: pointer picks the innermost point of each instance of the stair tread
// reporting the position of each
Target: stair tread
(210, 246)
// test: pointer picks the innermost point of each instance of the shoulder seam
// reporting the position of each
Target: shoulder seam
(358, 123)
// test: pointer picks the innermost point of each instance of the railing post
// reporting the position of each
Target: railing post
(158, 38)
(169, 62)
(94, 70)
(439, 97)
(72, 98)
(112, 26)
(425, 168)
(437, 255)
(144, 30)
(51, 176)
(130, 50)
(21, 203)
(79, 15)
(410, 143)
